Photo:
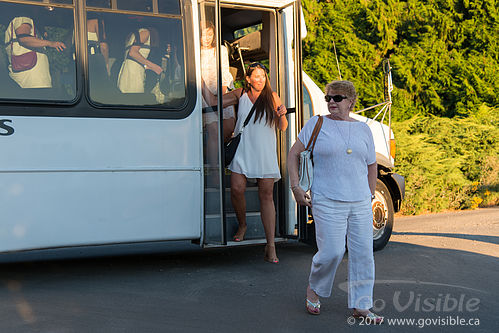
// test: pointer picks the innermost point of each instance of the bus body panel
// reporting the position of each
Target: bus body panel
(80, 181)
(51, 143)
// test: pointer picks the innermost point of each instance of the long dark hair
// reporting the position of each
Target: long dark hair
(264, 104)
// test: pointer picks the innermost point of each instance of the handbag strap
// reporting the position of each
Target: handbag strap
(246, 121)
(315, 134)
(16, 39)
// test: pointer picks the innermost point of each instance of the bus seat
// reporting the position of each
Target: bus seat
(255, 45)
(233, 71)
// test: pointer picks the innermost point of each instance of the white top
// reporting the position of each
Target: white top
(256, 155)
(337, 174)
(210, 77)
(132, 75)
(39, 75)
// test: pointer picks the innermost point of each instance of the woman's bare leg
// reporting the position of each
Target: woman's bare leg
(237, 189)
(267, 213)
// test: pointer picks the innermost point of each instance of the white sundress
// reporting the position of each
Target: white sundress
(256, 155)
(133, 74)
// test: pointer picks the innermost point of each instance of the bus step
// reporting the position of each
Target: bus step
(212, 203)
(253, 221)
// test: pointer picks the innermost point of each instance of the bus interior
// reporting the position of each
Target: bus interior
(250, 35)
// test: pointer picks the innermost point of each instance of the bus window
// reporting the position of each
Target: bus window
(142, 63)
(99, 3)
(169, 7)
(308, 108)
(141, 6)
(37, 61)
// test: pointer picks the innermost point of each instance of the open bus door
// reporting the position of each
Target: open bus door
(253, 32)
(214, 221)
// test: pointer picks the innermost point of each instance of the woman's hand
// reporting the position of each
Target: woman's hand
(155, 68)
(301, 197)
(281, 110)
(59, 46)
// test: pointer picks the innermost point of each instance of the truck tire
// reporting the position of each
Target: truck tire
(383, 211)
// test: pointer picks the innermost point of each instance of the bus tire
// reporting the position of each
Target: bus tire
(382, 206)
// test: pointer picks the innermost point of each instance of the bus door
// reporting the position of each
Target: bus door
(214, 227)
(290, 23)
(247, 33)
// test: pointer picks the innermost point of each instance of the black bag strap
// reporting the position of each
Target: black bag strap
(246, 121)
(16, 38)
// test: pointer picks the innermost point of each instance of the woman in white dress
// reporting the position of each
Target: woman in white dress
(256, 155)
(20, 38)
(133, 70)
(210, 77)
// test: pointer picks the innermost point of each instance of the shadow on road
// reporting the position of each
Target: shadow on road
(481, 238)
(228, 290)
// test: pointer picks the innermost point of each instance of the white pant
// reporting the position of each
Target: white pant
(333, 220)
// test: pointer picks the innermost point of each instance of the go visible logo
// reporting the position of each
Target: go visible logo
(5, 129)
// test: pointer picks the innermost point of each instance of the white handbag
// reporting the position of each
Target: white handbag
(306, 170)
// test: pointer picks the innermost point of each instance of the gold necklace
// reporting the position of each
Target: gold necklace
(349, 150)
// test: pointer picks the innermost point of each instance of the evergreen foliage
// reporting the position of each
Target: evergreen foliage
(445, 53)
(449, 163)
(445, 59)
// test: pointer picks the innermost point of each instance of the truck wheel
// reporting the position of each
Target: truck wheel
(382, 216)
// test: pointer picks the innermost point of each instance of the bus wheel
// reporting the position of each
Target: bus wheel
(383, 211)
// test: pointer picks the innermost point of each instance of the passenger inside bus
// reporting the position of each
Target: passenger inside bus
(38, 60)
(132, 76)
(210, 77)
(98, 57)
(29, 65)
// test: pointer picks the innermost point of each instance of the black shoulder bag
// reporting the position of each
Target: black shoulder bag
(230, 146)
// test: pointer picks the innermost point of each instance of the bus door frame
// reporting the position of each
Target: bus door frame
(222, 241)
(291, 212)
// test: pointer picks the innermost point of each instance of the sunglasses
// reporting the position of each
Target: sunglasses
(336, 98)
(258, 64)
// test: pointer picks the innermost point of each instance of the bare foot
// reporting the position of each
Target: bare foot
(270, 254)
(239, 236)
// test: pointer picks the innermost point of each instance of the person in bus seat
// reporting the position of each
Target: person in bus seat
(132, 76)
(345, 172)
(256, 155)
(173, 80)
(28, 64)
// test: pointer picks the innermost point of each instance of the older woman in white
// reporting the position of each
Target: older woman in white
(345, 172)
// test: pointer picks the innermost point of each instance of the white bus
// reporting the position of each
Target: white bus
(87, 162)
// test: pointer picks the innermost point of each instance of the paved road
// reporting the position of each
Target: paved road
(436, 269)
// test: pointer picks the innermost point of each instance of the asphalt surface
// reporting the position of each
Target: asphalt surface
(439, 270)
